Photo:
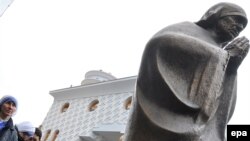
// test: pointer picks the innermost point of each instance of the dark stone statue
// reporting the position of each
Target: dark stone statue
(186, 87)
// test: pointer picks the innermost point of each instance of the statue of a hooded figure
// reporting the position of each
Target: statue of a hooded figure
(186, 87)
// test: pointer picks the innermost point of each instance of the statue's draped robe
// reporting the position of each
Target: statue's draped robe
(185, 89)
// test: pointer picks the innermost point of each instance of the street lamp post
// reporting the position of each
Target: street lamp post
(4, 4)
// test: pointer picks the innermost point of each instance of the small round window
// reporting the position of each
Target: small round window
(128, 103)
(93, 105)
(65, 107)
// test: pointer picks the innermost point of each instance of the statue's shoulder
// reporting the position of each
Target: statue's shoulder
(189, 29)
(185, 28)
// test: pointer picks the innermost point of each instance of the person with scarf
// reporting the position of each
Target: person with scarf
(8, 107)
(186, 86)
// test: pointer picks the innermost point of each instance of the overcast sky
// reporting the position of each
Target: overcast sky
(50, 44)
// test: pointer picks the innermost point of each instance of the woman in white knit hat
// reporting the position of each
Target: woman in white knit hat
(26, 131)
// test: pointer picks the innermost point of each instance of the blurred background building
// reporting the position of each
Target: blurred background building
(97, 110)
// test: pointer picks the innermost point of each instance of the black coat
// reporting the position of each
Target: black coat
(8, 133)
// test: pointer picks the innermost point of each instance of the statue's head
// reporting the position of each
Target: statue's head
(226, 19)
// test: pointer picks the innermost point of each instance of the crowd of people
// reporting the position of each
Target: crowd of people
(24, 131)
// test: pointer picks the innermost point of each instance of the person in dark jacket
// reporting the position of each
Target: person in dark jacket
(8, 107)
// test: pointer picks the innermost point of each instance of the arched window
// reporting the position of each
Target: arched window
(47, 135)
(65, 107)
(93, 105)
(55, 135)
(127, 103)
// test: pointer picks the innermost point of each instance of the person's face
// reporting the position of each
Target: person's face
(36, 138)
(8, 109)
(25, 136)
(229, 27)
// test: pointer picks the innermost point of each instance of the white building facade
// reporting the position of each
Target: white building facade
(97, 110)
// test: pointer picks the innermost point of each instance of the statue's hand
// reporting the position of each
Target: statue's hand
(237, 50)
(238, 47)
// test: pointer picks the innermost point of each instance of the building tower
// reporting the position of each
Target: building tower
(97, 110)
